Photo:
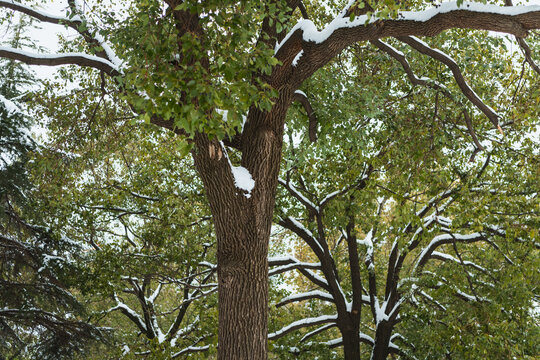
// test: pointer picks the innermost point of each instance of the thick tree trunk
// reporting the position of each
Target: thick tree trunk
(243, 293)
(242, 223)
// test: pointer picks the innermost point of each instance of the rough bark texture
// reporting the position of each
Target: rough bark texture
(381, 349)
(351, 344)
(242, 226)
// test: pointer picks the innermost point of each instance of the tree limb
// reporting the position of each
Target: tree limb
(312, 129)
(321, 46)
(79, 59)
(438, 55)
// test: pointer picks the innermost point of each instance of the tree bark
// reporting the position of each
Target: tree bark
(381, 349)
(242, 224)
(351, 344)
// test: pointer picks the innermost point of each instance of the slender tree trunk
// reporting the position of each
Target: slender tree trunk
(381, 350)
(242, 223)
(351, 345)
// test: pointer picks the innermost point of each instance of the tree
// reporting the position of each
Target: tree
(392, 227)
(183, 61)
(39, 317)
(418, 252)
(122, 189)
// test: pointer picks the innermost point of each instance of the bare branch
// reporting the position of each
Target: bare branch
(527, 54)
(470, 128)
(525, 47)
(303, 9)
(302, 99)
(438, 55)
(400, 57)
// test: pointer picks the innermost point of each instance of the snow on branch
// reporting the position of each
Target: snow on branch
(189, 350)
(298, 195)
(306, 235)
(494, 229)
(470, 298)
(301, 324)
(443, 239)
(366, 339)
(298, 266)
(132, 315)
(282, 260)
(317, 331)
(10, 106)
(315, 294)
(321, 46)
(360, 184)
(445, 257)
(155, 294)
(80, 59)
(311, 34)
(40, 15)
(314, 278)
(431, 300)
(75, 21)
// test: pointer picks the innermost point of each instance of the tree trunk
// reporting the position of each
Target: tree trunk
(351, 345)
(242, 223)
(381, 350)
(243, 293)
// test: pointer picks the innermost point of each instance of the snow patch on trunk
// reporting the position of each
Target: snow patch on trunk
(243, 179)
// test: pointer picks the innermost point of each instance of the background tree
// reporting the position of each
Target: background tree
(39, 317)
(121, 189)
(425, 225)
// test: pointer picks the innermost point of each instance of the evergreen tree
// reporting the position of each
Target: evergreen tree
(39, 317)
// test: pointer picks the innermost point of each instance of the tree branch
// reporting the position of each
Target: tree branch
(525, 47)
(302, 99)
(415, 80)
(321, 46)
(325, 319)
(79, 59)
(316, 294)
(438, 55)
(76, 22)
